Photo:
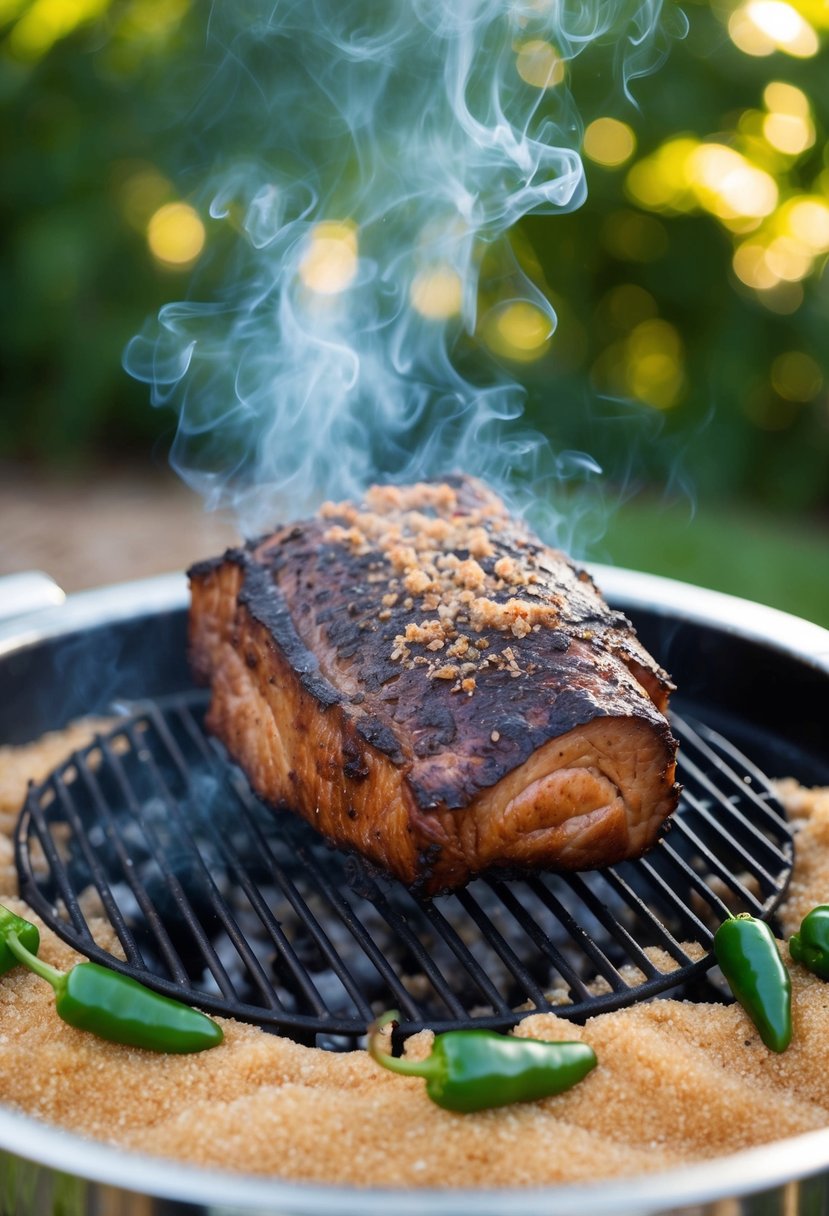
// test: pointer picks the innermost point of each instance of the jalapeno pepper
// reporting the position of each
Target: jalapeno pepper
(26, 932)
(111, 1005)
(750, 961)
(811, 945)
(472, 1070)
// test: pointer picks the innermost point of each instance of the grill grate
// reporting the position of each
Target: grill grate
(217, 901)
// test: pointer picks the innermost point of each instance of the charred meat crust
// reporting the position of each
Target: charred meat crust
(567, 676)
(263, 600)
(322, 607)
(524, 712)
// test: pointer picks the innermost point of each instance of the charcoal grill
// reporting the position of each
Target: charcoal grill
(218, 901)
(754, 687)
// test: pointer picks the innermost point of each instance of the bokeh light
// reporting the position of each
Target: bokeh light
(539, 64)
(782, 298)
(661, 181)
(141, 190)
(699, 255)
(728, 185)
(10, 10)
(785, 250)
(751, 266)
(648, 365)
(686, 174)
(654, 356)
(329, 263)
(609, 142)
(796, 376)
(437, 293)
(788, 125)
(788, 259)
(152, 19)
(807, 219)
(762, 27)
(627, 305)
(518, 330)
(176, 235)
(46, 22)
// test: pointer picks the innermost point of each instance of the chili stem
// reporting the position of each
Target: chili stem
(46, 972)
(411, 1068)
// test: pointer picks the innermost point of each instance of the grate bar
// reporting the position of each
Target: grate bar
(344, 913)
(299, 975)
(361, 935)
(183, 904)
(719, 868)
(663, 936)
(281, 879)
(615, 930)
(421, 955)
(96, 870)
(693, 883)
(541, 940)
(598, 959)
(56, 869)
(206, 881)
(309, 922)
(142, 898)
(503, 949)
(472, 967)
(737, 820)
(713, 748)
(260, 903)
(729, 837)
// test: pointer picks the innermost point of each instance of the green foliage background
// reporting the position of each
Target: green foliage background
(731, 433)
(87, 109)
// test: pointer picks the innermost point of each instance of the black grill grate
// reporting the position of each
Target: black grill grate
(216, 900)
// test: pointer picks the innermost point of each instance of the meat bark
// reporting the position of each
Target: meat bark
(426, 682)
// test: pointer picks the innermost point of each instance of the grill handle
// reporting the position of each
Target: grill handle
(28, 593)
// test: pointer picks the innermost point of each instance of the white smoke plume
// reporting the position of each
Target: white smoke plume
(369, 161)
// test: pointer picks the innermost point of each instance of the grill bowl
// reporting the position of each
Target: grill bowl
(221, 903)
(760, 676)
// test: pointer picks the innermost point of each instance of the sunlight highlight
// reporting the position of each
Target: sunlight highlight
(437, 293)
(788, 126)
(796, 376)
(46, 22)
(764, 26)
(729, 185)
(609, 142)
(329, 264)
(176, 235)
(539, 64)
(518, 331)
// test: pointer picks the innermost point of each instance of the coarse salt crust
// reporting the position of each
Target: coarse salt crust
(676, 1083)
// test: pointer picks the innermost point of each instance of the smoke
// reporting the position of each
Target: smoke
(369, 161)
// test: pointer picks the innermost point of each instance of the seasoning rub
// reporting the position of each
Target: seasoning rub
(426, 682)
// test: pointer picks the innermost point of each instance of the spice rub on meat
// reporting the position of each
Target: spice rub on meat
(427, 683)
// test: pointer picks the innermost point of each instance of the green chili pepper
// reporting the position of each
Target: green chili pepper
(811, 945)
(475, 1069)
(111, 1005)
(27, 933)
(750, 961)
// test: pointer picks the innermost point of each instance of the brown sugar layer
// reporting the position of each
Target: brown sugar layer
(677, 1082)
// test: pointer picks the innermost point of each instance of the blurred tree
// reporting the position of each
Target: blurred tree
(690, 288)
(83, 85)
(693, 280)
